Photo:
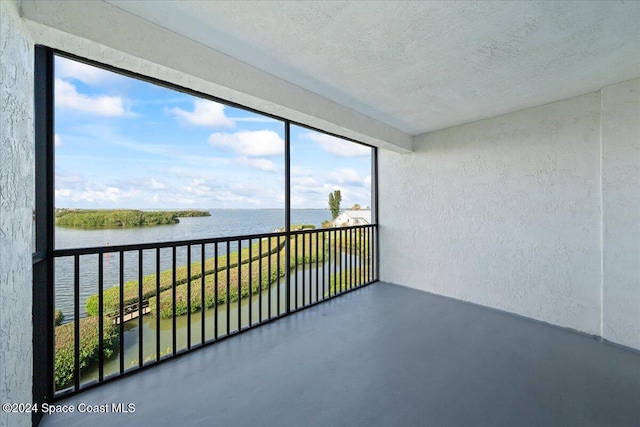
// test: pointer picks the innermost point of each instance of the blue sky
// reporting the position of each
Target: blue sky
(124, 143)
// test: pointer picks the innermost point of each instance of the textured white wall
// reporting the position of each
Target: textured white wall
(16, 195)
(621, 212)
(506, 212)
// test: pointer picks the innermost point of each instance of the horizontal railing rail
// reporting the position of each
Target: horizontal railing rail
(123, 308)
(154, 245)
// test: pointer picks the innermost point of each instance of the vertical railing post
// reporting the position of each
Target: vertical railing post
(304, 285)
(76, 322)
(279, 297)
(287, 214)
(374, 207)
(309, 267)
(228, 285)
(330, 256)
(100, 317)
(260, 281)
(371, 248)
(342, 259)
(121, 309)
(338, 260)
(250, 282)
(174, 341)
(202, 294)
(317, 235)
(188, 297)
(239, 285)
(140, 309)
(269, 246)
(215, 292)
(324, 262)
(350, 255)
(157, 304)
(295, 262)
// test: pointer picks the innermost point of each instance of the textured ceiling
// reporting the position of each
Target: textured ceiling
(420, 66)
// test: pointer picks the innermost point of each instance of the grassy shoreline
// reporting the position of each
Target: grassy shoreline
(247, 285)
(111, 296)
(89, 345)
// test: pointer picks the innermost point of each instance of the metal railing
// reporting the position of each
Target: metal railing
(130, 307)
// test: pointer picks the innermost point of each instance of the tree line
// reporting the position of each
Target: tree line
(119, 218)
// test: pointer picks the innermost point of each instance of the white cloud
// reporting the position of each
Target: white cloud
(197, 187)
(205, 113)
(259, 163)
(337, 146)
(161, 149)
(189, 172)
(66, 96)
(344, 176)
(306, 194)
(299, 201)
(310, 189)
(306, 181)
(73, 180)
(56, 140)
(88, 74)
(111, 135)
(202, 161)
(301, 171)
(249, 143)
(228, 196)
(157, 185)
(109, 194)
(63, 193)
(235, 195)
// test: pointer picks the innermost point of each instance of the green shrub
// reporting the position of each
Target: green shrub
(89, 342)
(354, 240)
(188, 214)
(343, 280)
(166, 297)
(303, 227)
(112, 218)
(111, 296)
(58, 317)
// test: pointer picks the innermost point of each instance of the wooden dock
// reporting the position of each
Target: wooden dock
(132, 312)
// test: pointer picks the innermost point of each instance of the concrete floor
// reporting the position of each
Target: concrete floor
(384, 355)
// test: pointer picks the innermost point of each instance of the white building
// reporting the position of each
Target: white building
(353, 217)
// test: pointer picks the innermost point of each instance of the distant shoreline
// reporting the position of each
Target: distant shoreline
(120, 218)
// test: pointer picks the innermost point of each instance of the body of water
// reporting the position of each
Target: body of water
(221, 223)
(309, 284)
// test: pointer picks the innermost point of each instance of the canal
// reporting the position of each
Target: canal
(311, 283)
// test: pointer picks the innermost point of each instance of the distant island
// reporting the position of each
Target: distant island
(120, 218)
